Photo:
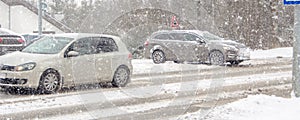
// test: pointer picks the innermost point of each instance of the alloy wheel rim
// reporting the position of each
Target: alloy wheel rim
(158, 56)
(51, 82)
(121, 76)
(216, 58)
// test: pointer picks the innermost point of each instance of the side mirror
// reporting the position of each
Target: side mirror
(200, 41)
(73, 54)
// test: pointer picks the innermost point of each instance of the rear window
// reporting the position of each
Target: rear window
(6, 32)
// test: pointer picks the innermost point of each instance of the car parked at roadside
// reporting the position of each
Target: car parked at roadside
(10, 41)
(65, 60)
(194, 46)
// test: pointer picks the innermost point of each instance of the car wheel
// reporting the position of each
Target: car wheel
(49, 83)
(121, 77)
(216, 58)
(178, 62)
(158, 57)
(235, 63)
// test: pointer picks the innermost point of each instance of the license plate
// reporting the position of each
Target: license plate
(2, 76)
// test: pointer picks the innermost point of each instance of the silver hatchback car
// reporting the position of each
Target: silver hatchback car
(194, 46)
(65, 60)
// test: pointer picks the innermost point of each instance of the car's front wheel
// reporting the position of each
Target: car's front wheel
(235, 63)
(216, 58)
(158, 57)
(49, 82)
(121, 77)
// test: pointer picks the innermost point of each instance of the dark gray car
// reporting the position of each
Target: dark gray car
(194, 46)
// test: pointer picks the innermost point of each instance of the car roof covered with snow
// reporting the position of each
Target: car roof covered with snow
(4, 31)
(82, 35)
(181, 31)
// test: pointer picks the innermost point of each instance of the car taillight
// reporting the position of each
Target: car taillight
(129, 56)
(146, 43)
(21, 41)
(1, 40)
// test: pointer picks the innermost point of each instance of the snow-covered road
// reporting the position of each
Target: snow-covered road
(156, 92)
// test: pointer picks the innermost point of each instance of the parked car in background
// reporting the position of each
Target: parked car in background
(10, 41)
(30, 37)
(65, 60)
(194, 45)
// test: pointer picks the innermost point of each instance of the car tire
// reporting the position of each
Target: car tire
(49, 82)
(158, 57)
(121, 77)
(216, 58)
(235, 63)
(178, 62)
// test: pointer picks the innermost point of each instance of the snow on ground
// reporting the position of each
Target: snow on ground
(252, 108)
(260, 107)
(257, 107)
(272, 53)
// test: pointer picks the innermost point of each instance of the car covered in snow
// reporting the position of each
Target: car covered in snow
(194, 46)
(10, 41)
(65, 60)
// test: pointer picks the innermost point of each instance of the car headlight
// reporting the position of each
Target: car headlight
(25, 67)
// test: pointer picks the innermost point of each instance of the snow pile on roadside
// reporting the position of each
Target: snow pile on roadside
(272, 53)
(258, 107)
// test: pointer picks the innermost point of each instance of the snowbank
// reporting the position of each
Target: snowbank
(272, 53)
(258, 107)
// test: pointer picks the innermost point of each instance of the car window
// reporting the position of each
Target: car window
(177, 36)
(104, 44)
(83, 46)
(162, 36)
(191, 37)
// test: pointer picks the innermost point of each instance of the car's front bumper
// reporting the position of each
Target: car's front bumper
(241, 55)
(19, 79)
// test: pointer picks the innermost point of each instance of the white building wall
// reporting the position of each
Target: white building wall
(23, 20)
(4, 19)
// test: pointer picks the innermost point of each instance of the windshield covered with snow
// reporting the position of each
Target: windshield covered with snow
(48, 45)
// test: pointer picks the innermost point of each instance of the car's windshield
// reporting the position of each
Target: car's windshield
(209, 36)
(48, 45)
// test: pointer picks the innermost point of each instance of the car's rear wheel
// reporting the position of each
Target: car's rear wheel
(49, 82)
(158, 57)
(121, 77)
(216, 58)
